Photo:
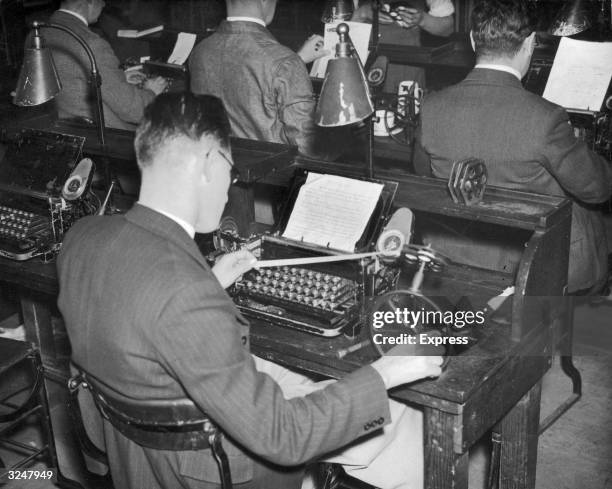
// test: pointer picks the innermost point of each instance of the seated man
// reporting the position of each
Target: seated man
(526, 142)
(146, 315)
(123, 102)
(432, 16)
(264, 85)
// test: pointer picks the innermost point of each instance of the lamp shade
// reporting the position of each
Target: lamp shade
(38, 80)
(573, 18)
(345, 97)
(336, 10)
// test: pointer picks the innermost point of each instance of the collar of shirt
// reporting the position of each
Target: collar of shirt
(78, 16)
(506, 68)
(189, 229)
(247, 19)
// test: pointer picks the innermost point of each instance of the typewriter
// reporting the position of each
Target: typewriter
(326, 298)
(40, 191)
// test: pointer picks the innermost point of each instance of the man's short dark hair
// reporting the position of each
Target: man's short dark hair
(172, 115)
(499, 27)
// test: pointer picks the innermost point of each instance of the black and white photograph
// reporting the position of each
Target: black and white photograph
(306, 244)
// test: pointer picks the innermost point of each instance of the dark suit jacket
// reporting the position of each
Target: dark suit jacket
(145, 314)
(123, 103)
(527, 143)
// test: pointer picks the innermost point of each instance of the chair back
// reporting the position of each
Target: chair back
(161, 424)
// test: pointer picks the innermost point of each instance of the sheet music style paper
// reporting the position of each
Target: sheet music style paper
(182, 49)
(580, 74)
(360, 35)
(332, 211)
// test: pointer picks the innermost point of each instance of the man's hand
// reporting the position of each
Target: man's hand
(231, 266)
(312, 49)
(407, 17)
(399, 369)
(157, 85)
(135, 77)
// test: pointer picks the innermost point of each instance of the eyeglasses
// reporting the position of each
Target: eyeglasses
(234, 172)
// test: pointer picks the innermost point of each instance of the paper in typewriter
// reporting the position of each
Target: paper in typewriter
(332, 211)
(580, 74)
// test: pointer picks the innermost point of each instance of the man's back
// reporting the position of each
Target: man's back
(526, 144)
(264, 86)
(123, 103)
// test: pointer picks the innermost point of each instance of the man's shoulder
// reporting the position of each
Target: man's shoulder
(259, 46)
(455, 95)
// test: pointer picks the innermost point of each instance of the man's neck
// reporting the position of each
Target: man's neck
(509, 65)
(244, 9)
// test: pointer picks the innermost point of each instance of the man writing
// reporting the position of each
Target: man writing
(123, 102)
(526, 142)
(146, 315)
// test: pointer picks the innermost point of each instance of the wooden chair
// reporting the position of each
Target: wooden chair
(13, 355)
(161, 424)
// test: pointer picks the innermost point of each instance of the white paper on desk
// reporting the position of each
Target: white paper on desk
(133, 33)
(360, 35)
(182, 49)
(580, 74)
(332, 211)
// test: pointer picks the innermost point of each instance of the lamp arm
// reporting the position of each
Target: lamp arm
(95, 73)
(375, 27)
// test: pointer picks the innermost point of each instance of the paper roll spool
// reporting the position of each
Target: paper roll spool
(390, 240)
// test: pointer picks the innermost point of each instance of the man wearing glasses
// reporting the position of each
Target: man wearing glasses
(147, 316)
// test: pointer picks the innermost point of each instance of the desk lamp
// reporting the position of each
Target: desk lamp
(345, 95)
(38, 81)
(336, 10)
(573, 18)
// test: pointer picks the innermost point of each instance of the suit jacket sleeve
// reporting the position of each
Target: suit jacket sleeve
(124, 99)
(584, 174)
(296, 103)
(200, 342)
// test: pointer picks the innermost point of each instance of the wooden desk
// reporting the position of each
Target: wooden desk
(495, 385)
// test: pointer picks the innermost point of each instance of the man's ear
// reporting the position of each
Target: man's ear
(472, 40)
(529, 42)
(205, 165)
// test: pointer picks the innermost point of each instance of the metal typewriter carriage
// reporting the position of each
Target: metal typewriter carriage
(33, 172)
(325, 299)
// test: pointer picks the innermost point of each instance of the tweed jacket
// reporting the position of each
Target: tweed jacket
(145, 314)
(264, 85)
(527, 143)
(123, 103)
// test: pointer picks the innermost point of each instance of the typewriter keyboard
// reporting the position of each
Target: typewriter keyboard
(16, 224)
(300, 287)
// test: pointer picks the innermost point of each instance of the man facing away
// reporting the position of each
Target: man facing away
(526, 142)
(148, 316)
(264, 85)
(123, 102)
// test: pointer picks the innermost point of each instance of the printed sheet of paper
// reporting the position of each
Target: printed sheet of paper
(580, 74)
(182, 49)
(332, 211)
(360, 35)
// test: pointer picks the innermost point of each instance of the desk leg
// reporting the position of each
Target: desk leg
(444, 469)
(39, 331)
(519, 450)
(38, 326)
